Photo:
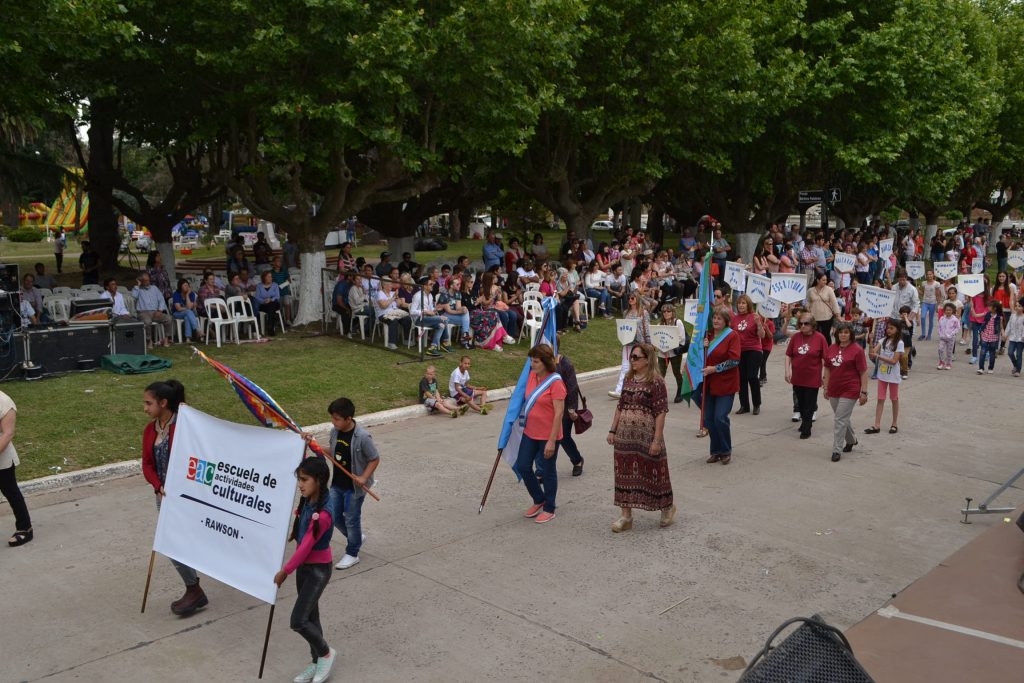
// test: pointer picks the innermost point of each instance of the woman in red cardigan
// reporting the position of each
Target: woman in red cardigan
(160, 401)
(721, 382)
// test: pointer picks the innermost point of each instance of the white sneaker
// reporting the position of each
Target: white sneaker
(324, 665)
(498, 348)
(980, 371)
(814, 417)
(795, 418)
(307, 675)
(391, 347)
(508, 339)
(990, 371)
(614, 394)
(346, 562)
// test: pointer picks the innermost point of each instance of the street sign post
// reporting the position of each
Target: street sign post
(811, 196)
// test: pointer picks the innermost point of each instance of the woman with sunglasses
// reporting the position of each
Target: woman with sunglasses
(721, 382)
(637, 434)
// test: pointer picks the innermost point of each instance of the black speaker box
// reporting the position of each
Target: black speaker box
(59, 349)
(128, 337)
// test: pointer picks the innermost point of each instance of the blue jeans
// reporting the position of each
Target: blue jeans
(716, 421)
(437, 324)
(988, 350)
(976, 338)
(191, 321)
(1016, 351)
(927, 319)
(347, 511)
(462, 320)
(531, 451)
(510, 321)
(603, 298)
(566, 442)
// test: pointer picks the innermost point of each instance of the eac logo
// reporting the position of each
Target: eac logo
(201, 471)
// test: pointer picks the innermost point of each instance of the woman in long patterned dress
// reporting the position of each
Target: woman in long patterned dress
(641, 465)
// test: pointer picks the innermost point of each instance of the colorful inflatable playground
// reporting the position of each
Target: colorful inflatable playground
(65, 213)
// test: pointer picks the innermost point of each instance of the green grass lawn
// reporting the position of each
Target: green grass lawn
(86, 419)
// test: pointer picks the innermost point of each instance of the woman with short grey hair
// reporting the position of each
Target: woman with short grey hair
(846, 385)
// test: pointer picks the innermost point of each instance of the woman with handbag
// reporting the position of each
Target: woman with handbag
(573, 415)
(637, 434)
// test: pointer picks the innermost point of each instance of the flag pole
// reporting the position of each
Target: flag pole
(149, 575)
(490, 480)
(266, 640)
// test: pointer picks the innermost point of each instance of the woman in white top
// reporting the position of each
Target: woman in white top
(594, 285)
(675, 356)
(931, 294)
(8, 481)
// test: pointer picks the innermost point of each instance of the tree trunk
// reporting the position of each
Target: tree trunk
(454, 227)
(656, 225)
(314, 260)
(103, 233)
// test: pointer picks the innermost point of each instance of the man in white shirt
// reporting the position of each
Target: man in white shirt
(526, 273)
(465, 394)
(388, 311)
(118, 311)
(616, 284)
(35, 299)
(424, 314)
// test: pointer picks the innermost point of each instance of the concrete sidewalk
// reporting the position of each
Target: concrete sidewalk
(444, 594)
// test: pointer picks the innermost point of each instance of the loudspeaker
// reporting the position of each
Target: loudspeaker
(814, 653)
(128, 337)
(59, 349)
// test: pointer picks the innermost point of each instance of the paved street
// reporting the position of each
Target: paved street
(444, 594)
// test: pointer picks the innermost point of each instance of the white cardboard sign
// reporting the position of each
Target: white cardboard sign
(769, 308)
(944, 270)
(845, 263)
(757, 287)
(885, 249)
(690, 311)
(788, 288)
(665, 338)
(627, 331)
(970, 285)
(875, 302)
(1015, 259)
(734, 276)
(915, 270)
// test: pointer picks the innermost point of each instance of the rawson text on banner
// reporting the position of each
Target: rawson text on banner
(875, 302)
(228, 508)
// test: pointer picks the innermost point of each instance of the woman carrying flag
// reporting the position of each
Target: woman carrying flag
(541, 419)
(721, 382)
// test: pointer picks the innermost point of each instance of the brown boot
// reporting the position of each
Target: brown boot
(193, 599)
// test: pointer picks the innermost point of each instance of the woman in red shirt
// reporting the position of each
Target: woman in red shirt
(749, 327)
(846, 384)
(804, 358)
(541, 418)
(721, 382)
(1003, 292)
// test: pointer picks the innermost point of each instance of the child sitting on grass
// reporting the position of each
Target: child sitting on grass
(431, 398)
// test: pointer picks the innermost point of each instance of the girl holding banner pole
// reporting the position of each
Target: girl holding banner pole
(311, 564)
(160, 401)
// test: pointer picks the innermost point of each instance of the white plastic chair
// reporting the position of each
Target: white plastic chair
(92, 289)
(66, 291)
(533, 319)
(532, 295)
(280, 320)
(219, 317)
(58, 306)
(532, 287)
(240, 309)
(44, 292)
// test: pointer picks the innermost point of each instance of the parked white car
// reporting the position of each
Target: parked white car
(602, 225)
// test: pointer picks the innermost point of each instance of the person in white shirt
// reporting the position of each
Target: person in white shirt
(617, 285)
(463, 392)
(118, 311)
(386, 306)
(594, 285)
(526, 273)
(424, 314)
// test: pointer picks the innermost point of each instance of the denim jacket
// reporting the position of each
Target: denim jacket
(363, 451)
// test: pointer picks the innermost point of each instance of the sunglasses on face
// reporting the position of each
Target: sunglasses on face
(637, 357)
(805, 322)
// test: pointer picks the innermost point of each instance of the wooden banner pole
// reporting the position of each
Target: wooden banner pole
(149, 575)
(490, 480)
(266, 640)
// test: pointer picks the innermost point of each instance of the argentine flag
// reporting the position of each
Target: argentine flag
(511, 432)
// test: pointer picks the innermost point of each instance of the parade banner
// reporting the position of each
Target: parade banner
(977, 264)
(970, 285)
(876, 302)
(228, 505)
(690, 311)
(734, 276)
(944, 270)
(915, 269)
(1015, 259)
(788, 288)
(885, 249)
(757, 287)
(665, 338)
(627, 331)
(845, 263)
(769, 308)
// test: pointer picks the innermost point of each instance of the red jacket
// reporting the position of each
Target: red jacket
(728, 382)
(148, 459)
